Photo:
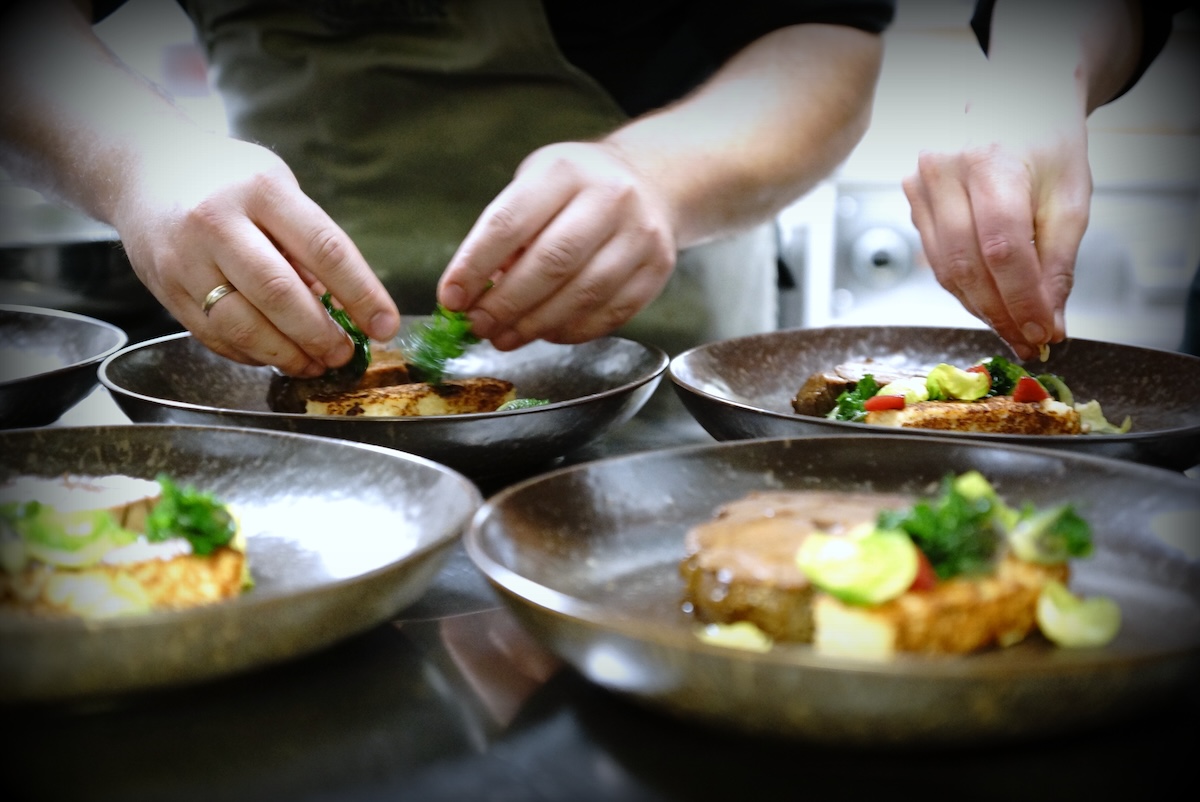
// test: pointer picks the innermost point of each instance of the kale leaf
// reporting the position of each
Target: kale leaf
(850, 403)
(1004, 375)
(361, 360)
(957, 533)
(189, 513)
(432, 343)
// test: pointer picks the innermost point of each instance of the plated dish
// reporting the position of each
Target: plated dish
(588, 558)
(339, 537)
(49, 361)
(592, 388)
(744, 388)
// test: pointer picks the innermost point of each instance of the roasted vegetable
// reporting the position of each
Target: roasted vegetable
(523, 403)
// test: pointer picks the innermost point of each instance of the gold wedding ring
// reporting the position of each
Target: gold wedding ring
(217, 293)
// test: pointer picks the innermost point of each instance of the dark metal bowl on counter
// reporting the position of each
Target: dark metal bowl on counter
(592, 388)
(339, 537)
(743, 388)
(588, 557)
(49, 361)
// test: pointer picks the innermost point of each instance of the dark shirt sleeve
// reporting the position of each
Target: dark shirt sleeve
(647, 53)
(1157, 17)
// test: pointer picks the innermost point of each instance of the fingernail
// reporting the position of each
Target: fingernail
(383, 326)
(1060, 322)
(1034, 333)
(453, 297)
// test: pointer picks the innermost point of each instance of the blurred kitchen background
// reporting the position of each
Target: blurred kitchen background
(848, 251)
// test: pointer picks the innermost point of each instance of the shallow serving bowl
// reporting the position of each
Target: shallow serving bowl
(592, 387)
(49, 361)
(588, 559)
(742, 388)
(340, 537)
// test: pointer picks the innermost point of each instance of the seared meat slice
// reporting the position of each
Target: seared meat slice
(741, 566)
(819, 393)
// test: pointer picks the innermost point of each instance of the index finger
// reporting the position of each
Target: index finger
(512, 220)
(316, 244)
(1001, 197)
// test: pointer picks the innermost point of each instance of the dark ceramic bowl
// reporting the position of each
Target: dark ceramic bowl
(588, 559)
(49, 361)
(340, 537)
(742, 388)
(593, 388)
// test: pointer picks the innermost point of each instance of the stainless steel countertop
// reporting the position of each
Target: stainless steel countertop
(453, 701)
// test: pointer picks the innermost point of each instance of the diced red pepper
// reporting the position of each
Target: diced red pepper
(926, 578)
(1029, 389)
(878, 403)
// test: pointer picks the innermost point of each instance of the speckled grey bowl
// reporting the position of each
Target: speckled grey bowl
(588, 559)
(593, 388)
(52, 359)
(742, 388)
(340, 537)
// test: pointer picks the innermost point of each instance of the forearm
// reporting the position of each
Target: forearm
(1084, 50)
(773, 122)
(76, 122)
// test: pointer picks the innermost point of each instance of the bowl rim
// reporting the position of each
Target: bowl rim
(1132, 436)
(662, 362)
(517, 588)
(96, 323)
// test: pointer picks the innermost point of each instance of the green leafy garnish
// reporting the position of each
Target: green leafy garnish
(1004, 375)
(959, 533)
(1050, 536)
(433, 343)
(71, 539)
(189, 513)
(849, 405)
(361, 360)
(522, 403)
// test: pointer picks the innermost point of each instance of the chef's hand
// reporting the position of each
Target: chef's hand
(1001, 219)
(571, 249)
(232, 212)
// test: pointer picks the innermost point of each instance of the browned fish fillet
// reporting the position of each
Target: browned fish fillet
(960, 615)
(181, 582)
(388, 367)
(451, 397)
(999, 414)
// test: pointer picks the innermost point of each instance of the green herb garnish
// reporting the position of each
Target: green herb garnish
(433, 343)
(361, 360)
(1004, 375)
(522, 403)
(958, 533)
(189, 513)
(849, 405)
(961, 530)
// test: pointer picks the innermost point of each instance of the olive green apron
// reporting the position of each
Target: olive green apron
(404, 119)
